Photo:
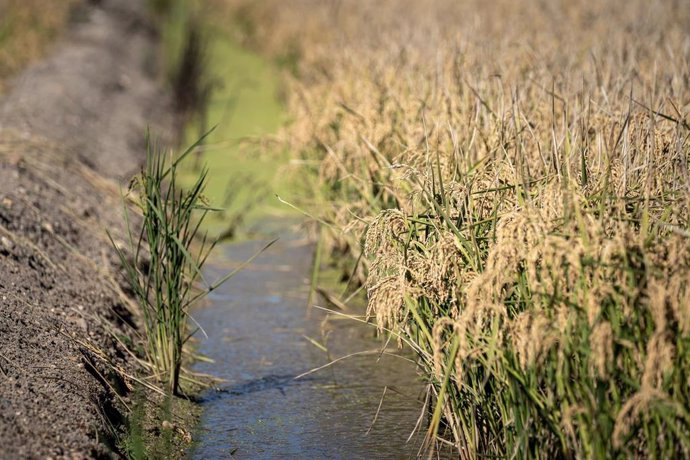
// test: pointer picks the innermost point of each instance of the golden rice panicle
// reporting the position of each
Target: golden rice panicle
(386, 282)
(516, 233)
(671, 289)
(631, 411)
(601, 344)
(443, 328)
(435, 275)
(532, 335)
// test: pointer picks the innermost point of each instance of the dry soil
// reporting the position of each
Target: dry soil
(71, 133)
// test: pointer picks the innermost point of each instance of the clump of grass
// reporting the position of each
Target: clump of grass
(167, 255)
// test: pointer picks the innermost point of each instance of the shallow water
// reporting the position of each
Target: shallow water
(257, 324)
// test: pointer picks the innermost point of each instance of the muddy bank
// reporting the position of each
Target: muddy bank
(71, 129)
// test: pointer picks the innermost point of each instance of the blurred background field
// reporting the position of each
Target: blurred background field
(27, 28)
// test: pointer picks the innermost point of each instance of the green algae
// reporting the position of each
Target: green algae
(158, 427)
(247, 169)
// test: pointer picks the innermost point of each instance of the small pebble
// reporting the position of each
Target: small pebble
(6, 245)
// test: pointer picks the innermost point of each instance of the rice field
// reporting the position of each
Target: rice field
(509, 181)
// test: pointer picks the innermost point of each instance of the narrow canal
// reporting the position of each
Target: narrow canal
(260, 336)
(260, 333)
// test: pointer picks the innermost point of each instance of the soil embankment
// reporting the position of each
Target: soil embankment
(71, 130)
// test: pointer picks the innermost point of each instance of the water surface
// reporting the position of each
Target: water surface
(258, 327)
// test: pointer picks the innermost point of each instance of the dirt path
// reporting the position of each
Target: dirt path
(97, 92)
(71, 128)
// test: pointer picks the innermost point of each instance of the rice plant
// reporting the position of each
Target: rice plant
(165, 257)
(518, 175)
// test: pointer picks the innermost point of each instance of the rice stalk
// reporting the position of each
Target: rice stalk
(164, 258)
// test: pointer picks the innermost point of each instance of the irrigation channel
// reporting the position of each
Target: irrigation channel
(258, 330)
(261, 334)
